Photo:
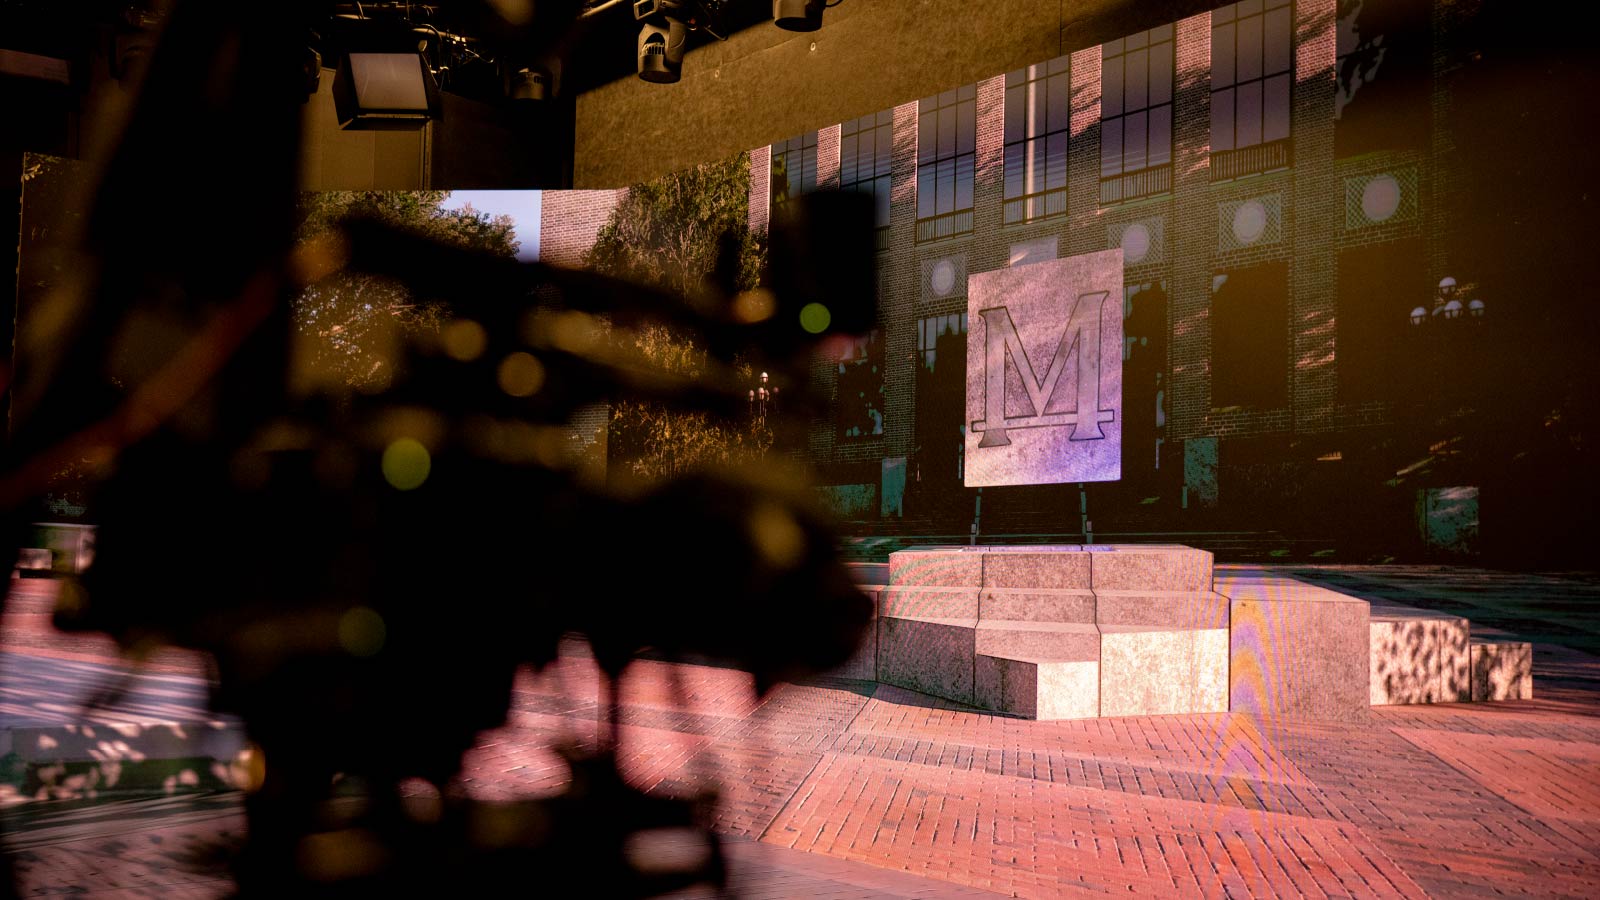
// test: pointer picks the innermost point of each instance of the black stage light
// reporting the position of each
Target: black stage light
(385, 91)
(530, 85)
(664, 33)
(661, 47)
(797, 15)
(310, 70)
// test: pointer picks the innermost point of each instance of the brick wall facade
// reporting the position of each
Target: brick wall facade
(569, 222)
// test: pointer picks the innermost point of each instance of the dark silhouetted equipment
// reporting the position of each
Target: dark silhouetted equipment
(385, 91)
(365, 555)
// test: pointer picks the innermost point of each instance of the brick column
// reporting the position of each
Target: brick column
(988, 246)
(828, 157)
(760, 187)
(1086, 234)
(1192, 233)
(897, 285)
(1315, 219)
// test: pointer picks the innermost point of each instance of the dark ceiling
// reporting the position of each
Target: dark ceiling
(593, 40)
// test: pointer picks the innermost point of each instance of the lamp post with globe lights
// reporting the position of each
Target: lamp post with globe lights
(763, 400)
(1448, 306)
(1445, 337)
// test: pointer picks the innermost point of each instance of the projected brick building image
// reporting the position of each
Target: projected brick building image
(1287, 183)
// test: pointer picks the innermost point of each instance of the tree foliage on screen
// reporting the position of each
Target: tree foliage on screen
(345, 322)
(670, 232)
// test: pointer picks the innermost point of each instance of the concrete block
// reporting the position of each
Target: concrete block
(1155, 567)
(1297, 651)
(1021, 604)
(35, 558)
(863, 665)
(941, 567)
(868, 573)
(1039, 640)
(1055, 569)
(125, 742)
(1171, 609)
(1417, 657)
(1149, 670)
(1210, 670)
(1502, 671)
(929, 602)
(1038, 689)
(933, 656)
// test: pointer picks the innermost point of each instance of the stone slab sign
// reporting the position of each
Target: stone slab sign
(1044, 372)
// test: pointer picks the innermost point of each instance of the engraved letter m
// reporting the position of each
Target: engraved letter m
(1080, 339)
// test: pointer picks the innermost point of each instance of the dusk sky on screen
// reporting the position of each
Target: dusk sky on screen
(521, 206)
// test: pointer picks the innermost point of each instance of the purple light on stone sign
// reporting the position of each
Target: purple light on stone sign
(1044, 372)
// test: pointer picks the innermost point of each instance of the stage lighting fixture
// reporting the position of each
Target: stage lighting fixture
(529, 85)
(133, 41)
(385, 91)
(798, 15)
(663, 38)
(310, 70)
(664, 34)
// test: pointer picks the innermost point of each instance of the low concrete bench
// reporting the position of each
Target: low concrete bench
(1502, 670)
(1417, 656)
(1296, 651)
(35, 559)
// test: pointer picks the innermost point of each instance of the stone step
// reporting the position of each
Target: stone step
(1150, 567)
(1037, 568)
(928, 655)
(1502, 670)
(869, 573)
(1167, 609)
(936, 567)
(1129, 567)
(1066, 641)
(1037, 688)
(1031, 605)
(863, 664)
(930, 602)
(1151, 670)
(35, 559)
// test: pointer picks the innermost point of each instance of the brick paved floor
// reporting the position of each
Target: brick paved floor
(835, 787)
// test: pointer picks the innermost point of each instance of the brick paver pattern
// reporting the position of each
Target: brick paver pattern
(1446, 800)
